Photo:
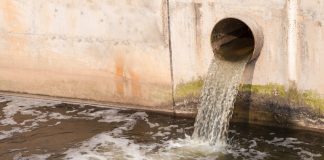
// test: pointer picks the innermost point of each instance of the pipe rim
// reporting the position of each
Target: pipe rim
(256, 32)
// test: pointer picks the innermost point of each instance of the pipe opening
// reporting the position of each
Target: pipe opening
(232, 40)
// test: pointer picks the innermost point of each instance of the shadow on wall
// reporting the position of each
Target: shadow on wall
(244, 99)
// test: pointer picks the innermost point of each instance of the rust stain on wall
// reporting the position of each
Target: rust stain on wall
(119, 75)
(135, 84)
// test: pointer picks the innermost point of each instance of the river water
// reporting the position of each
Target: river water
(33, 129)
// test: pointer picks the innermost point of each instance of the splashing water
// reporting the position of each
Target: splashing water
(217, 100)
(42, 129)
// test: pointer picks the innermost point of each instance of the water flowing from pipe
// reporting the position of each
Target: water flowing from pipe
(217, 100)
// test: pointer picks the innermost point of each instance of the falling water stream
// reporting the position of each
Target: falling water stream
(217, 100)
(232, 53)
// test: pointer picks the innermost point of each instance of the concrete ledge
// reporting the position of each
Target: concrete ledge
(263, 109)
(157, 109)
(276, 111)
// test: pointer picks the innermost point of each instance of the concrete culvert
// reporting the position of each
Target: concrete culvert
(233, 39)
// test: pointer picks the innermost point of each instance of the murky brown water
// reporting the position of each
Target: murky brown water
(38, 129)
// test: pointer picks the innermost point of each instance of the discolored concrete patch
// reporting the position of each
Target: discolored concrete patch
(270, 105)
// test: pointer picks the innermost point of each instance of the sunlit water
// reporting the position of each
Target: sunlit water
(32, 129)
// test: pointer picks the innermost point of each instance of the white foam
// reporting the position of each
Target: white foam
(72, 111)
(2, 99)
(233, 132)
(58, 116)
(32, 157)
(187, 148)
(161, 134)
(293, 144)
(253, 144)
(188, 128)
(24, 106)
(153, 125)
(108, 144)
(306, 155)
(108, 116)
(168, 128)
(247, 153)
(104, 145)
(57, 123)
(112, 145)
(285, 142)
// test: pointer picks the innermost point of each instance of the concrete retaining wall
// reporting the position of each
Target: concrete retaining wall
(114, 51)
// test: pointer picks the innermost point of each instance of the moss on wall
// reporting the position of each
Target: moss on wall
(308, 97)
(189, 89)
(270, 89)
(313, 99)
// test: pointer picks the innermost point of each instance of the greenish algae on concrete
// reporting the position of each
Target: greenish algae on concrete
(189, 90)
(186, 97)
(270, 104)
(275, 105)
(270, 89)
(308, 97)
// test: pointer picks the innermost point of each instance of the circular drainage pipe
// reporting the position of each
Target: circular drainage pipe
(234, 39)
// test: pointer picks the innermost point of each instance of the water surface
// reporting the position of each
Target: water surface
(41, 129)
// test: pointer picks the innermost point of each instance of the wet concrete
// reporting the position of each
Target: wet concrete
(263, 109)
(277, 111)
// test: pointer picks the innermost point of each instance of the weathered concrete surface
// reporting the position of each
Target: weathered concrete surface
(310, 57)
(290, 57)
(191, 65)
(119, 51)
(274, 110)
(270, 105)
(115, 51)
(193, 21)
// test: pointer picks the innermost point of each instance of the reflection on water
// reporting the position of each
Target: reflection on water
(39, 129)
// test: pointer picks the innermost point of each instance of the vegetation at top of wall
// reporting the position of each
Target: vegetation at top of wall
(270, 89)
(189, 89)
(312, 99)
(308, 97)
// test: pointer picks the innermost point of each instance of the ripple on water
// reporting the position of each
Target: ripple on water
(122, 134)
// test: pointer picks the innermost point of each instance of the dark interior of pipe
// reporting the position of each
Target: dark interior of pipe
(232, 40)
